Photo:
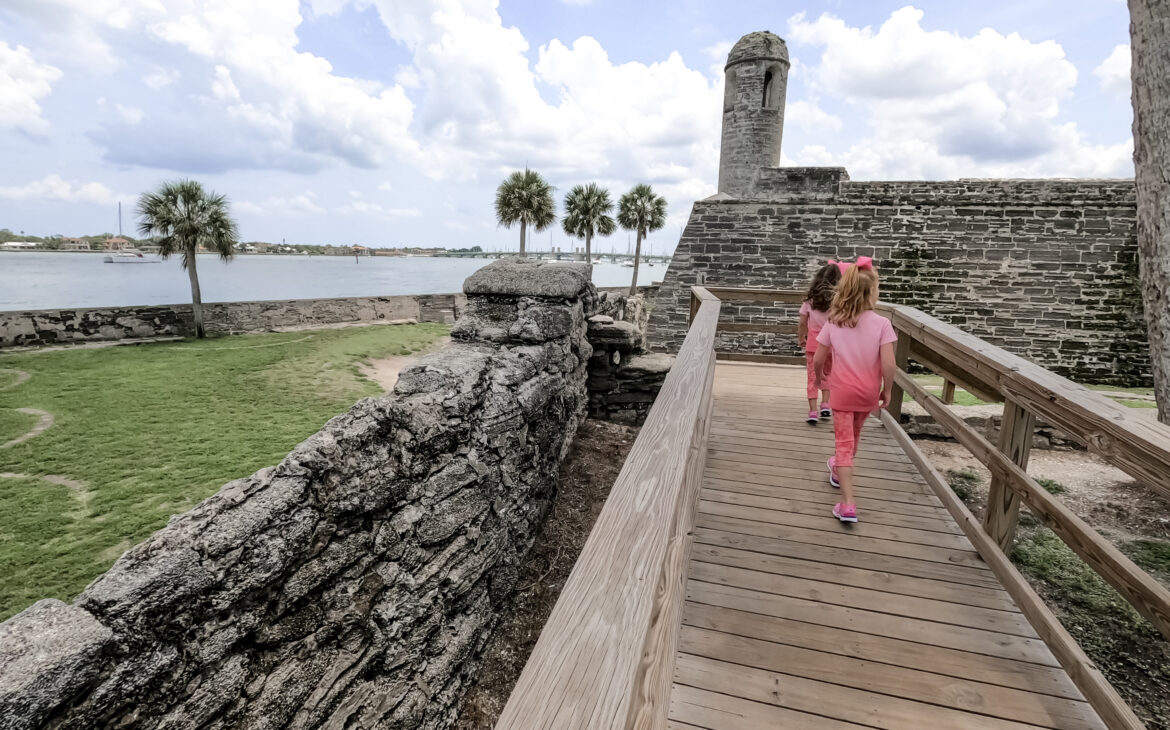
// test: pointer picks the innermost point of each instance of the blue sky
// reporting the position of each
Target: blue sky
(390, 122)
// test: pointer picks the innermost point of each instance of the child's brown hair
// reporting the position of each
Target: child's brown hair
(856, 293)
(820, 290)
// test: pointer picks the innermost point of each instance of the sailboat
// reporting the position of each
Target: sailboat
(127, 255)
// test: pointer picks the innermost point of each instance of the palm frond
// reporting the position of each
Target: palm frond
(587, 211)
(525, 196)
(182, 216)
(642, 210)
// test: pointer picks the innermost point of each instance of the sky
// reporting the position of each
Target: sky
(391, 122)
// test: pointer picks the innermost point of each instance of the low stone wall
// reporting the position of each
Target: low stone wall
(353, 584)
(65, 326)
(624, 379)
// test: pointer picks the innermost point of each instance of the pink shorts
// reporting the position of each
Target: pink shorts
(847, 427)
(812, 373)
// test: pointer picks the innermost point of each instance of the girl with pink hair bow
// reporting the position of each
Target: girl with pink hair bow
(861, 345)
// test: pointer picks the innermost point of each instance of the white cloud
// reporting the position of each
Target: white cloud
(944, 105)
(365, 207)
(161, 77)
(53, 187)
(23, 83)
(807, 115)
(1113, 73)
(132, 115)
(275, 205)
(481, 111)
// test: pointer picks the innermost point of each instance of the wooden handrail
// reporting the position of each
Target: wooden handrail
(1139, 447)
(1084, 674)
(1146, 594)
(605, 657)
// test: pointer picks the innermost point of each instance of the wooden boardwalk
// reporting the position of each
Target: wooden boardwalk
(793, 620)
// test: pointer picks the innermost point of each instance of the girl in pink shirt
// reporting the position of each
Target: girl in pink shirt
(814, 312)
(861, 343)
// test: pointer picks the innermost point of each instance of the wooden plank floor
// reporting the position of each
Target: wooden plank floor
(793, 620)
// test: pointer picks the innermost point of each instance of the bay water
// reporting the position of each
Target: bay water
(54, 280)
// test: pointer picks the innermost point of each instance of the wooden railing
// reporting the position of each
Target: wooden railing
(1139, 447)
(760, 296)
(605, 658)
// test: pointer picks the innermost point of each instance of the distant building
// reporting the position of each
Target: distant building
(117, 243)
(19, 245)
(74, 244)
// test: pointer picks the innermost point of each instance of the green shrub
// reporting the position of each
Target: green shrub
(963, 482)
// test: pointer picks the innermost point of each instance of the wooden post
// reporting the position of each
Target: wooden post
(694, 306)
(1003, 504)
(948, 393)
(901, 358)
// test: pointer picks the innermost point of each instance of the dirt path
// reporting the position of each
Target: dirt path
(44, 422)
(384, 371)
(21, 377)
(75, 485)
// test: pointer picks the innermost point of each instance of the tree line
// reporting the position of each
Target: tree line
(525, 197)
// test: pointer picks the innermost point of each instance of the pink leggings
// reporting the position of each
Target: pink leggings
(812, 373)
(847, 427)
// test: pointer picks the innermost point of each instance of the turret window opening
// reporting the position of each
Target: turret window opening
(767, 100)
(729, 91)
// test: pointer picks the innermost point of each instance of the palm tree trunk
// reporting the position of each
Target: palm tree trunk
(523, 228)
(637, 255)
(196, 299)
(588, 247)
(1150, 40)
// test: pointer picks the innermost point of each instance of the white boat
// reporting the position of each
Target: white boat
(129, 256)
(628, 264)
(597, 260)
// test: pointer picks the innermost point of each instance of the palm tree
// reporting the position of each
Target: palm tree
(183, 216)
(587, 213)
(642, 211)
(525, 198)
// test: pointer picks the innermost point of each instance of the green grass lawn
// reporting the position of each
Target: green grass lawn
(148, 431)
(13, 424)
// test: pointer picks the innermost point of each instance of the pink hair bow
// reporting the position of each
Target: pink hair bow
(864, 262)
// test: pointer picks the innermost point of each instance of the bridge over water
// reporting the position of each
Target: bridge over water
(716, 592)
(613, 258)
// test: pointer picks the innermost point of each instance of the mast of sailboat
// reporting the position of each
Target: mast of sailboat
(119, 219)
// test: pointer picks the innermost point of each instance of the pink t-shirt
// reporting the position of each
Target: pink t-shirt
(816, 322)
(856, 378)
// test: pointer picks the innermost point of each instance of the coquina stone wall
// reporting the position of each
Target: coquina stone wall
(68, 326)
(1044, 268)
(352, 585)
(624, 379)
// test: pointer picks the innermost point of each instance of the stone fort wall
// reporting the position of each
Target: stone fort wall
(1044, 268)
(352, 585)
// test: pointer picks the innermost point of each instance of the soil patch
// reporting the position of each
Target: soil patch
(384, 371)
(593, 463)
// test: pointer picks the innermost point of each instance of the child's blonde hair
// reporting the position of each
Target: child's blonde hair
(856, 293)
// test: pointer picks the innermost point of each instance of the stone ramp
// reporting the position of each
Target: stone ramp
(794, 620)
